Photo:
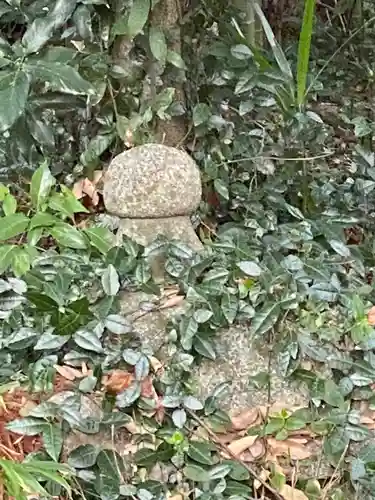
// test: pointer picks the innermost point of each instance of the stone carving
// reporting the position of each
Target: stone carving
(154, 189)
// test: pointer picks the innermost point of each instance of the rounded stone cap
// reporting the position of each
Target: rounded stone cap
(152, 181)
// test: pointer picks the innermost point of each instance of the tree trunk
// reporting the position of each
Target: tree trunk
(167, 15)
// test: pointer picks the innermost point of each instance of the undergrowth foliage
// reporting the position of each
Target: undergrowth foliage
(287, 221)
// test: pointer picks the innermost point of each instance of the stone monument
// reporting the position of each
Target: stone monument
(154, 189)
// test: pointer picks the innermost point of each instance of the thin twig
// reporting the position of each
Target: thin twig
(216, 440)
(281, 158)
(333, 478)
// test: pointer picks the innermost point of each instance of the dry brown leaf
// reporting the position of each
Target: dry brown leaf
(156, 365)
(371, 316)
(245, 419)
(290, 493)
(26, 409)
(88, 187)
(117, 381)
(176, 497)
(240, 445)
(257, 449)
(230, 436)
(68, 372)
(147, 389)
(132, 427)
(298, 440)
(264, 474)
(173, 301)
(288, 448)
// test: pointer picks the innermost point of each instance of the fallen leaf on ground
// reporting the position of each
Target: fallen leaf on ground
(131, 427)
(68, 372)
(147, 388)
(228, 437)
(245, 419)
(117, 381)
(264, 474)
(258, 449)
(88, 187)
(240, 445)
(290, 493)
(176, 497)
(371, 316)
(174, 301)
(298, 440)
(156, 365)
(289, 449)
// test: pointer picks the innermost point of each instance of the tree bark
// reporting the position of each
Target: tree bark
(167, 15)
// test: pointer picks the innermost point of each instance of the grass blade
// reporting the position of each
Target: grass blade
(304, 47)
(276, 49)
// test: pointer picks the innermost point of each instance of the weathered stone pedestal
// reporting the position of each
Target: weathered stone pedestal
(154, 189)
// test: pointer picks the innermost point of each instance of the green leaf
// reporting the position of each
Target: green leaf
(42, 219)
(175, 59)
(142, 367)
(42, 302)
(61, 77)
(95, 148)
(192, 403)
(127, 397)
(9, 204)
(158, 44)
(138, 17)
(110, 281)
(188, 328)
(238, 471)
(27, 426)
(100, 238)
(241, 51)
(229, 307)
(219, 471)
(200, 452)
(250, 267)
(204, 347)
(202, 315)
(304, 50)
(53, 441)
(332, 394)
(88, 340)
(265, 319)
(221, 188)
(14, 91)
(41, 184)
(117, 324)
(146, 457)
(21, 261)
(196, 473)
(339, 247)
(6, 256)
(13, 225)
(131, 356)
(37, 34)
(41, 29)
(276, 49)
(201, 114)
(71, 204)
(68, 236)
(49, 341)
(88, 384)
(179, 418)
(83, 456)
